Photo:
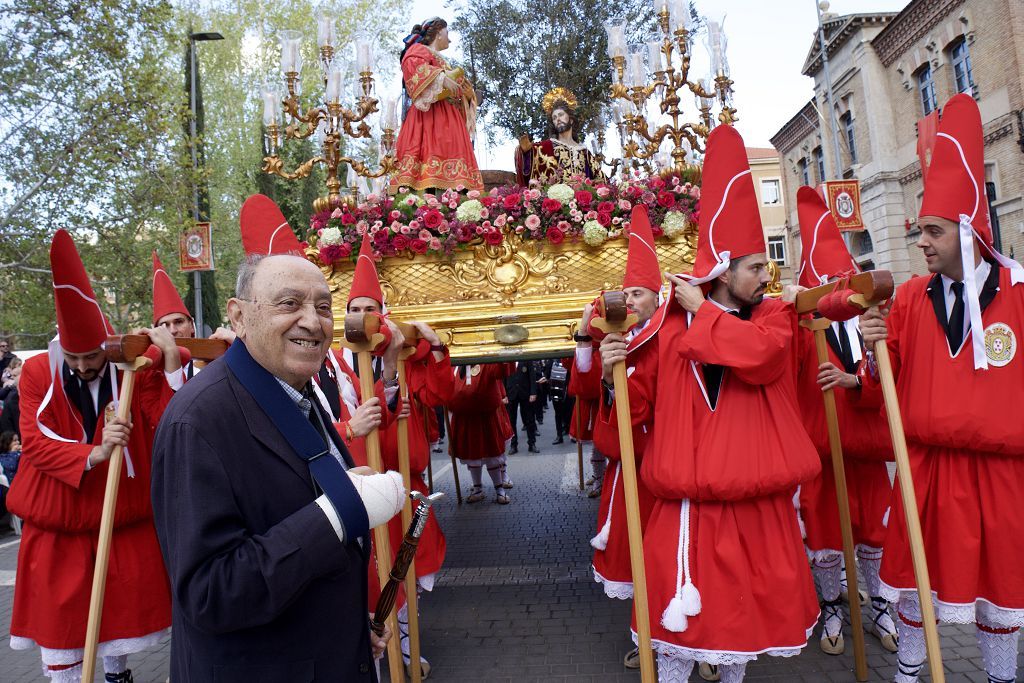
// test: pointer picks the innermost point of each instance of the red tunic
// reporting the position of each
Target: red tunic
(733, 471)
(478, 429)
(866, 445)
(586, 387)
(433, 148)
(431, 549)
(612, 567)
(61, 505)
(966, 444)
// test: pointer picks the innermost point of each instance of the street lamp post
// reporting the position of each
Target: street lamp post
(197, 275)
(823, 7)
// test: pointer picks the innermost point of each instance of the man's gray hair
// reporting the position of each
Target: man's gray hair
(246, 274)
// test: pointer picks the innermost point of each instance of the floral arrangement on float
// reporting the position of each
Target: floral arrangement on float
(580, 211)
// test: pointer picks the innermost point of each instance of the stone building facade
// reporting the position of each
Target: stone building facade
(888, 71)
(766, 172)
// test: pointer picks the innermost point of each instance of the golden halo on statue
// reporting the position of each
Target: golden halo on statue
(556, 95)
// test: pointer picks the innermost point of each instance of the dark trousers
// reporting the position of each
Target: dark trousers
(439, 413)
(563, 415)
(524, 408)
(540, 405)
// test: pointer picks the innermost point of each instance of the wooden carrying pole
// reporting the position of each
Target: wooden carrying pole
(860, 662)
(579, 439)
(430, 456)
(362, 337)
(99, 575)
(873, 288)
(411, 598)
(451, 454)
(616, 318)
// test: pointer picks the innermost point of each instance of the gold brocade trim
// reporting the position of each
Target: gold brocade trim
(421, 80)
(565, 163)
(436, 172)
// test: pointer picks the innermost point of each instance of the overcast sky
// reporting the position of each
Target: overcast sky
(768, 42)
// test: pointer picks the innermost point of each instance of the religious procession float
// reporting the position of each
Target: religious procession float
(502, 268)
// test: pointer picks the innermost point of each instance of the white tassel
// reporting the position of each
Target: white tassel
(674, 616)
(885, 517)
(691, 599)
(600, 542)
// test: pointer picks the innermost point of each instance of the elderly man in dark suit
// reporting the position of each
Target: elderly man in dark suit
(262, 520)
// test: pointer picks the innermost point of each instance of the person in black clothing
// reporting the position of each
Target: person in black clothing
(521, 390)
(10, 413)
(6, 355)
(561, 401)
(542, 368)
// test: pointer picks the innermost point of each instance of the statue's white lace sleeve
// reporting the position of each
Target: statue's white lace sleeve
(430, 94)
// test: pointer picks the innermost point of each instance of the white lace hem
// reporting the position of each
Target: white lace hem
(721, 657)
(430, 95)
(426, 583)
(109, 648)
(823, 554)
(620, 590)
(961, 613)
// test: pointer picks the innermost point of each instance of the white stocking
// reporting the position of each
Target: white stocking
(71, 675)
(912, 652)
(732, 673)
(494, 472)
(869, 560)
(998, 647)
(476, 473)
(115, 665)
(598, 463)
(673, 669)
(828, 575)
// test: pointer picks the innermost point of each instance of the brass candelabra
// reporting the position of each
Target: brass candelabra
(665, 77)
(333, 121)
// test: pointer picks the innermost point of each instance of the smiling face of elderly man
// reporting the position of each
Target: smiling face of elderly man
(282, 311)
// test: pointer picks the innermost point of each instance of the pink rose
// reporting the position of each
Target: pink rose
(414, 225)
(473, 194)
(336, 213)
(625, 205)
(563, 226)
(395, 215)
(604, 191)
(425, 235)
(444, 228)
(485, 213)
(406, 230)
(533, 221)
(435, 244)
(499, 222)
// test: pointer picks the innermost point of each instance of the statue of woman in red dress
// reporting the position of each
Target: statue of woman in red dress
(434, 148)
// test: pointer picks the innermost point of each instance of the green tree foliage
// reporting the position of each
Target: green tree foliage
(86, 121)
(517, 50)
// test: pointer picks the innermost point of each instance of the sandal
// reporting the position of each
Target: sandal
(632, 659)
(476, 494)
(502, 499)
(424, 669)
(709, 672)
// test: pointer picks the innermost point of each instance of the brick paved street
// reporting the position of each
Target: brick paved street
(516, 601)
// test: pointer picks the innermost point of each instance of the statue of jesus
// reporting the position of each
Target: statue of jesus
(561, 156)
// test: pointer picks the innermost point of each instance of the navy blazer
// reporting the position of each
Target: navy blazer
(262, 588)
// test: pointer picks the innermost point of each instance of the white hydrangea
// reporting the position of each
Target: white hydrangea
(674, 223)
(469, 211)
(561, 192)
(594, 233)
(330, 236)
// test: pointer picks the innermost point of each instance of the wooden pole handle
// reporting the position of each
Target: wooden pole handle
(636, 549)
(381, 539)
(905, 478)
(860, 661)
(579, 439)
(99, 575)
(405, 469)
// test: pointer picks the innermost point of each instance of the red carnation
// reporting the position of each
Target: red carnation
(551, 205)
(511, 201)
(555, 235)
(493, 237)
(584, 198)
(418, 246)
(666, 199)
(432, 218)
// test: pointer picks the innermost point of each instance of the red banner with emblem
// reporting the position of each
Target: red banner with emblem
(195, 248)
(843, 198)
(927, 131)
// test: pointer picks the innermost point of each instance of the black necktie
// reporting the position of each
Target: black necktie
(955, 325)
(329, 385)
(845, 348)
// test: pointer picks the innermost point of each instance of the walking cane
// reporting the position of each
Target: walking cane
(818, 326)
(612, 316)
(411, 335)
(867, 290)
(451, 454)
(127, 353)
(579, 439)
(362, 337)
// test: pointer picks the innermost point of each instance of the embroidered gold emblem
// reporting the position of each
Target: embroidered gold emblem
(1000, 344)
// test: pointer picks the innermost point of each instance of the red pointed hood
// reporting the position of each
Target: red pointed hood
(365, 281)
(80, 321)
(956, 176)
(730, 223)
(642, 269)
(265, 230)
(823, 255)
(166, 299)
